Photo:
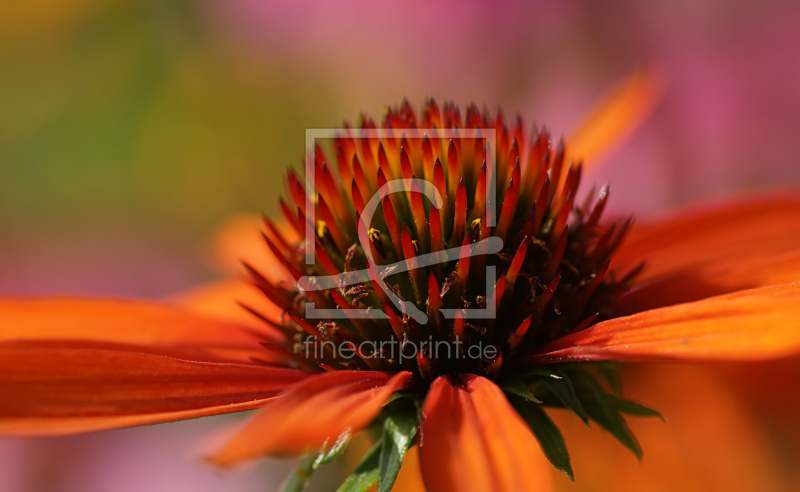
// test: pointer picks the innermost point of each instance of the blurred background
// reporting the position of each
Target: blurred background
(130, 131)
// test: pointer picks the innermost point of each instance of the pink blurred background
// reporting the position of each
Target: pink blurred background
(130, 131)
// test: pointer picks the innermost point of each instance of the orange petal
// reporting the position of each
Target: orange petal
(409, 479)
(618, 114)
(157, 327)
(472, 439)
(712, 440)
(239, 239)
(314, 410)
(769, 387)
(50, 388)
(702, 253)
(224, 299)
(755, 324)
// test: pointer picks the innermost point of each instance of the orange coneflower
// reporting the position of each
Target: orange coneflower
(445, 324)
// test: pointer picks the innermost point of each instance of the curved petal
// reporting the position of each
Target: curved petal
(754, 324)
(707, 252)
(472, 439)
(49, 388)
(314, 410)
(615, 117)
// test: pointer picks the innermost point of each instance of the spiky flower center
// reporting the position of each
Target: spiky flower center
(463, 285)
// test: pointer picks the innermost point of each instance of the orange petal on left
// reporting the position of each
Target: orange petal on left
(240, 240)
(52, 388)
(473, 440)
(224, 299)
(755, 324)
(157, 327)
(314, 410)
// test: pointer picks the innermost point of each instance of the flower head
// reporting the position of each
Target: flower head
(501, 258)
(456, 286)
(444, 282)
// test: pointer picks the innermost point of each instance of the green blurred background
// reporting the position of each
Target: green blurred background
(131, 130)
(125, 122)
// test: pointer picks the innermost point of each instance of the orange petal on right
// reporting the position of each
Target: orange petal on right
(53, 388)
(313, 411)
(712, 250)
(712, 439)
(755, 324)
(770, 387)
(473, 440)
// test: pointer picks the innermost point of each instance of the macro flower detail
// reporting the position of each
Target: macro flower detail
(548, 275)
(459, 283)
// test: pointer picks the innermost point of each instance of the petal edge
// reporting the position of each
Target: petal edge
(755, 324)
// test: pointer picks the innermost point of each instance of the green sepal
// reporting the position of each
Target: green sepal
(519, 388)
(603, 410)
(632, 408)
(335, 451)
(298, 480)
(402, 395)
(399, 430)
(366, 473)
(547, 433)
(610, 372)
(565, 391)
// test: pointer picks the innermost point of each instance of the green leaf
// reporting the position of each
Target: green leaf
(602, 409)
(550, 438)
(610, 372)
(399, 430)
(336, 450)
(519, 388)
(565, 391)
(298, 480)
(632, 408)
(366, 473)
